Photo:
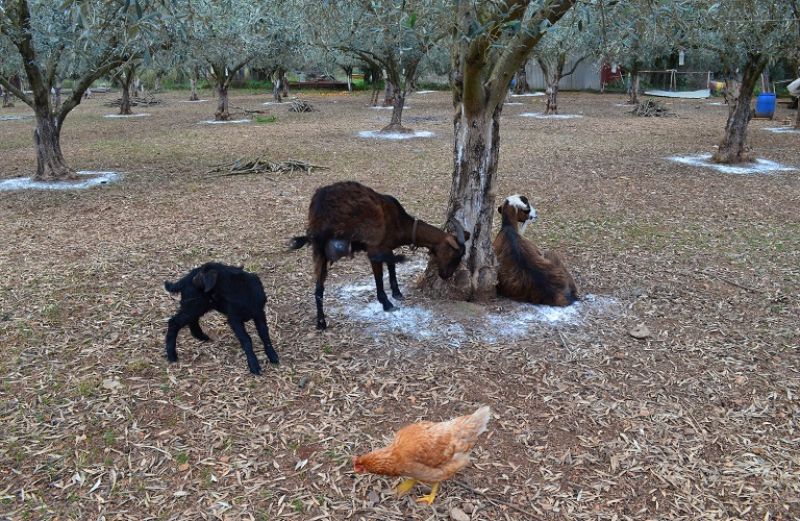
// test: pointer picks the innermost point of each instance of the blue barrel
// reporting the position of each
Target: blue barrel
(765, 105)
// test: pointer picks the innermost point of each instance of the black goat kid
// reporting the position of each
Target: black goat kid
(235, 293)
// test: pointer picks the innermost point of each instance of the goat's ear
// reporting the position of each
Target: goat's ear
(452, 242)
(205, 281)
(467, 235)
(499, 209)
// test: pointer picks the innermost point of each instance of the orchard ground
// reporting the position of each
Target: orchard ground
(697, 421)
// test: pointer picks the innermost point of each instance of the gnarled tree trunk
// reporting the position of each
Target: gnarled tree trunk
(472, 203)
(633, 94)
(222, 114)
(396, 123)
(389, 94)
(551, 93)
(733, 148)
(193, 83)
(521, 81)
(50, 163)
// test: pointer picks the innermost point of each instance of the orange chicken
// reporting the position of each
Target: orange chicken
(426, 452)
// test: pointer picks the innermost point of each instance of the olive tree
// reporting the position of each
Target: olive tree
(228, 35)
(492, 40)
(745, 35)
(572, 38)
(392, 35)
(83, 41)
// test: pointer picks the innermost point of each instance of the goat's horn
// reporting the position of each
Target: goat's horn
(459, 232)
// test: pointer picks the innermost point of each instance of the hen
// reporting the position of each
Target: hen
(426, 452)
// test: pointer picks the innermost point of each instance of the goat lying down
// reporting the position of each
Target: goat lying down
(525, 273)
(235, 293)
(348, 217)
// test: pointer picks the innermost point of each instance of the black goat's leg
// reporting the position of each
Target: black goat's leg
(377, 270)
(263, 332)
(319, 291)
(393, 281)
(247, 344)
(175, 324)
(197, 331)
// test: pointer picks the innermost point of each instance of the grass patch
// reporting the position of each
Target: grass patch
(260, 119)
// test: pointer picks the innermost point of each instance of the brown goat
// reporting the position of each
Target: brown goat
(348, 217)
(525, 273)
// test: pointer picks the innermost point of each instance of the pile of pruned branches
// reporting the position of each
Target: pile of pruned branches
(260, 165)
(136, 101)
(651, 109)
(301, 106)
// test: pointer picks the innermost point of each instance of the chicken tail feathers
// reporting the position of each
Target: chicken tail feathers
(480, 419)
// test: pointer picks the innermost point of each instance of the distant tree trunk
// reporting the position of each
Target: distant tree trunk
(389, 96)
(157, 83)
(126, 77)
(125, 103)
(50, 163)
(57, 94)
(732, 149)
(552, 76)
(633, 94)
(396, 123)
(8, 99)
(797, 106)
(277, 85)
(193, 83)
(521, 81)
(222, 114)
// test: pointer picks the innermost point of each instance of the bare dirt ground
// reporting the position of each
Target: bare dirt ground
(697, 421)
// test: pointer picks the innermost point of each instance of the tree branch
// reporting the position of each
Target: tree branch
(16, 92)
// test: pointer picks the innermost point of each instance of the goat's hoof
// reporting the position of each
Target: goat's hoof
(255, 370)
(204, 338)
(274, 361)
(172, 359)
(398, 296)
(388, 306)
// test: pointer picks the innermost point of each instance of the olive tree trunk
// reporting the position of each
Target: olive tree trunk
(733, 148)
(633, 95)
(193, 96)
(472, 203)
(521, 81)
(7, 99)
(396, 123)
(551, 93)
(50, 163)
(223, 113)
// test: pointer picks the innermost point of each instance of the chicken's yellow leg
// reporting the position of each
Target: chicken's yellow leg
(430, 497)
(403, 488)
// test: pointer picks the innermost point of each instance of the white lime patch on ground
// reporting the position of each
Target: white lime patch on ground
(279, 102)
(432, 321)
(539, 115)
(192, 101)
(623, 105)
(93, 179)
(424, 91)
(759, 166)
(717, 103)
(15, 117)
(527, 94)
(513, 103)
(405, 107)
(115, 116)
(229, 122)
(374, 134)
(782, 130)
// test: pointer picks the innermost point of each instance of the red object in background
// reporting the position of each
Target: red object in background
(608, 76)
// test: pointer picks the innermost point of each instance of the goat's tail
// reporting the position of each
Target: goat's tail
(173, 287)
(298, 242)
(389, 258)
